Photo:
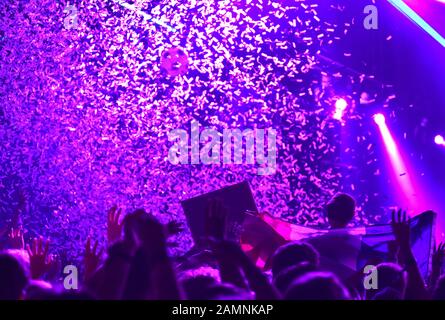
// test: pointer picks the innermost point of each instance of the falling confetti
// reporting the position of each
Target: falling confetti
(85, 113)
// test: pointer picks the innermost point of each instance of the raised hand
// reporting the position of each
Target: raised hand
(215, 220)
(114, 226)
(39, 259)
(401, 228)
(439, 255)
(15, 239)
(91, 258)
(437, 262)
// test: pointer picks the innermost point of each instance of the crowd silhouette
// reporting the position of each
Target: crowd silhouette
(136, 265)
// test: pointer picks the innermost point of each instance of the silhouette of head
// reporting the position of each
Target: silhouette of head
(292, 254)
(196, 288)
(391, 283)
(285, 278)
(317, 286)
(13, 279)
(340, 210)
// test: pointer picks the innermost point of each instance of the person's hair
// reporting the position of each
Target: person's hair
(292, 254)
(391, 278)
(340, 210)
(439, 290)
(287, 276)
(13, 279)
(317, 286)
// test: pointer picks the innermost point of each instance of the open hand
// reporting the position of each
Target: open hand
(91, 258)
(39, 259)
(439, 255)
(114, 226)
(401, 228)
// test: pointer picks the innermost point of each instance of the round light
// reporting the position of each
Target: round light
(379, 118)
(341, 104)
(340, 107)
(439, 139)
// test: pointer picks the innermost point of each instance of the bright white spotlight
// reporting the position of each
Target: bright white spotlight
(439, 140)
(340, 107)
(379, 118)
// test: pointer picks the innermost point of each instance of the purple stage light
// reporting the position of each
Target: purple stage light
(340, 107)
(399, 169)
(439, 140)
(379, 118)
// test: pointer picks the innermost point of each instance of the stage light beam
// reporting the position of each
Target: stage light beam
(379, 119)
(399, 168)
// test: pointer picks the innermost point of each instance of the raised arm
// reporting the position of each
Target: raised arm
(438, 257)
(401, 228)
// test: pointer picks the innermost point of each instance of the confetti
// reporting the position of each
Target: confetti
(85, 113)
